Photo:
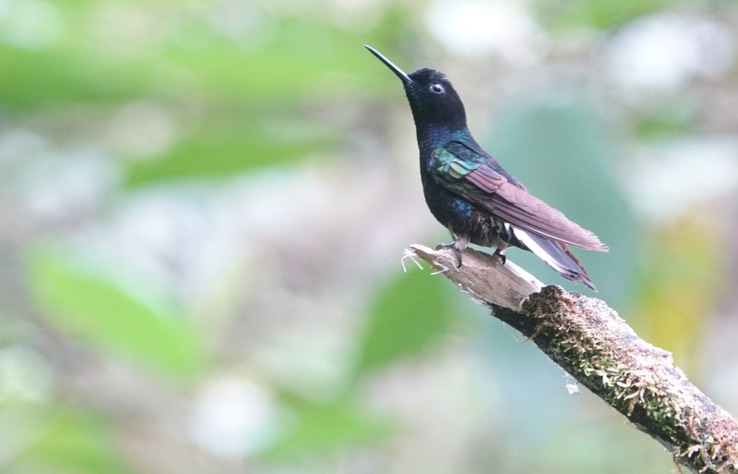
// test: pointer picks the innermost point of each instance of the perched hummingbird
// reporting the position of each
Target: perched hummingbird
(472, 195)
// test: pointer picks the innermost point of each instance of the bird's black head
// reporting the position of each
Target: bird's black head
(432, 98)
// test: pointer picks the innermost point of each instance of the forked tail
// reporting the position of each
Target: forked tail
(556, 255)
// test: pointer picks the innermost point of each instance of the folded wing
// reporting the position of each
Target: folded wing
(466, 172)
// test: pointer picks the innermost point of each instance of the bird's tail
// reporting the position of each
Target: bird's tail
(556, 255)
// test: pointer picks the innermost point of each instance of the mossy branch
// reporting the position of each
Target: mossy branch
(593, 344)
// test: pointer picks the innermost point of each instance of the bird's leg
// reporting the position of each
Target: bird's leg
(457, 246)
(456, 250)
(498, 254)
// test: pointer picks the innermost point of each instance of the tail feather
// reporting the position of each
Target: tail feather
(556, 255)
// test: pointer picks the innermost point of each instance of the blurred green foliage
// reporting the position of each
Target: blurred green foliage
(98, 310)
(684, 277)
(73, 441)
(602, 14)
(297, 279)
(573, 173)
(218, 154)
(325, 428)
(405, 319)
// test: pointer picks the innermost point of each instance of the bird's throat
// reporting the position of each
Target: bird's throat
(432, 136)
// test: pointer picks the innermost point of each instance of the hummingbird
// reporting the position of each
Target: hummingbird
(468, 191)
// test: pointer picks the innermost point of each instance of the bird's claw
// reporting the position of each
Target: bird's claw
(499, 257)
(457, 252)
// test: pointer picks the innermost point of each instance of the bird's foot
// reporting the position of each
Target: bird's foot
(456, 250)
(499, 256)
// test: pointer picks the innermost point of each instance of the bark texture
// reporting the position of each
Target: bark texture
(597, 347)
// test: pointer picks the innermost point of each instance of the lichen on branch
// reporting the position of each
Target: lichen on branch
(591, 342)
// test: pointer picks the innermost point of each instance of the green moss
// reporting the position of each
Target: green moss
(567, 330)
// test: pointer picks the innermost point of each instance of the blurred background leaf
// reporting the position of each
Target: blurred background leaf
(604, 14)
(73, 441)
(94, 308)
(220, 154)
(407, 317)
(572, 170)
(325, 428)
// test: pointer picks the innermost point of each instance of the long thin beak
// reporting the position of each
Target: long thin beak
(400, 73)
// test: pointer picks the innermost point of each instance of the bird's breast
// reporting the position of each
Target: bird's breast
(464, 219)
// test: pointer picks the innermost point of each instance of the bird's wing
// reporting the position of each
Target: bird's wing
(466, 172)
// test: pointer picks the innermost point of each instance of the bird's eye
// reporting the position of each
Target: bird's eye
(437, 88)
